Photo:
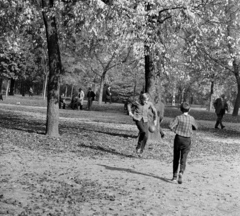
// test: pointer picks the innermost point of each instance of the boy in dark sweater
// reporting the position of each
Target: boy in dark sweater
(182, 125)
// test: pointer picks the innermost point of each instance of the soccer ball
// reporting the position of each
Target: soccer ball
(152, 128)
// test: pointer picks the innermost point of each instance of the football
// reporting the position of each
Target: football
(152, 128)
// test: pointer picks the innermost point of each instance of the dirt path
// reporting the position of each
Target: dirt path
(33, 183)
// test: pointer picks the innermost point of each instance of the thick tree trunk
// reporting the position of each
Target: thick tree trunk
(152, 88)
(1, 81)
(210, 103)
(54, 69)
(237, 102)
(236, 68)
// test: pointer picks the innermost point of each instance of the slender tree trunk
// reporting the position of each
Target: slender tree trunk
(12, 83)
(102, 81)
(66, 89)
(54, 68)
(210, 104)
(72, 91)
(174, 94)
(7, 88)
(45, 86)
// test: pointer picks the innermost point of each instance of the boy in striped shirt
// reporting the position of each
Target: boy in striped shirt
(182, 125)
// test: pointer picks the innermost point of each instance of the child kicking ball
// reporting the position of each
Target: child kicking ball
(183, 126)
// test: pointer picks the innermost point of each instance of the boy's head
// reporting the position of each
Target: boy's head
(144, 98)
(184, 107)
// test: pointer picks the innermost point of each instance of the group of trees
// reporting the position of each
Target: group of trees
(177, 50)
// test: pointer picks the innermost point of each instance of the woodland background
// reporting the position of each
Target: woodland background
(175, 50)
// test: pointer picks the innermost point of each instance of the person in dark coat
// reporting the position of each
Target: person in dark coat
(108, 95)
(221, 107)
(90, 96)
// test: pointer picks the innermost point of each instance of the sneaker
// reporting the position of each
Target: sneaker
(223, 127)
(216, 128)
(162, 136)
(174, 180)
(180, 178)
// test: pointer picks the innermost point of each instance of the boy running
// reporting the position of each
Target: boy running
(182, 125)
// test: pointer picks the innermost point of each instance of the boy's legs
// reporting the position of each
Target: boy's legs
(143, 135)
(219, 120)
(185, 149)
(176, 156)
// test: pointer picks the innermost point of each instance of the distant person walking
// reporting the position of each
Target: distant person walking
(90, 96)
(108, 95)
(138, 110)
(81, 96)
(182, 125)
(62, 102)
(221, 107)
(30, 92)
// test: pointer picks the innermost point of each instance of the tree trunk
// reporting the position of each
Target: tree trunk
(54, 69)
(1, 81)
(237, 102)
(7, 88)
(45, 86)
(210, 104)
(23, 87)
(66, 89)
(12, 83)
(72, 91)
(101, 89)
(174, 94)
(236, 73)
(152, 88)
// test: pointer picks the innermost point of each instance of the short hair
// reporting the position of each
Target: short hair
(184, 107)
(144, 96)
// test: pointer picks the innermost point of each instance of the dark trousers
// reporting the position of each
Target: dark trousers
(108, 98)
(219, 120)
(143, 134)
(181, 149)
(89, 103)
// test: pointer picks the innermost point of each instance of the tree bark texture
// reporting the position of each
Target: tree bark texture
(152, 87)
(210, 104)
(101, 89)
(54, 69)
(237, 102)
(236, 65)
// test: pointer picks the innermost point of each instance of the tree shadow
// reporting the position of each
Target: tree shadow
(107, 131)
(107, 150)
(134, 172)
(20, 123)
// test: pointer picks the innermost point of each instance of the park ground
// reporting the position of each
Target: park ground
(91, 169)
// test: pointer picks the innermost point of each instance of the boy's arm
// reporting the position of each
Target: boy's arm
(154, 113)
(173, 124)
(194, 125)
